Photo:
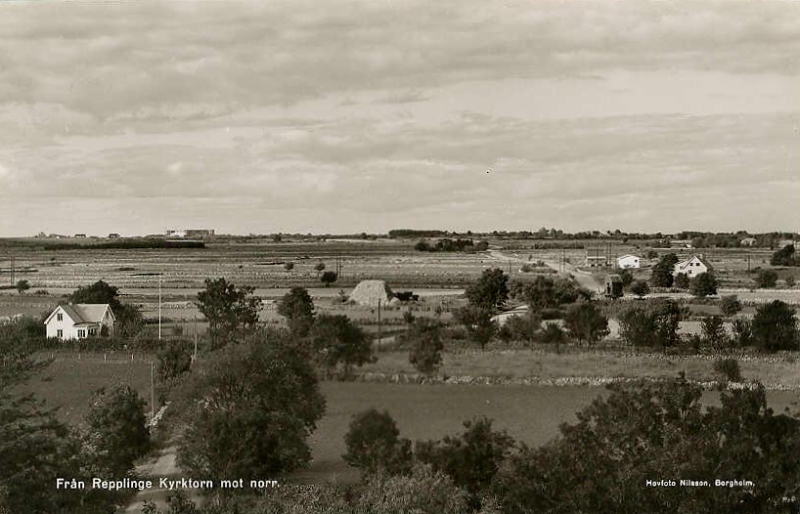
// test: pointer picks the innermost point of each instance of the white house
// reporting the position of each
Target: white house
(80, 320)
(692, 267)
(628, 261)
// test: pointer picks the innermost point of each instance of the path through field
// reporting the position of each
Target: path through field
(583, 278)
(161, 466)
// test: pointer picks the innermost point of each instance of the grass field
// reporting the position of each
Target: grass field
(548, 364)
(530, 413)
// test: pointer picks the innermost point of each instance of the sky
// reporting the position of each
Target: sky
(334, 116)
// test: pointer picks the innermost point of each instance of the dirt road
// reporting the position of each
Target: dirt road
(583, 278)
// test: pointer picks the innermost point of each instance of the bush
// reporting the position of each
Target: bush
(521, 328)
(730, 305)
(337, 341)
(585, 323)
(374, 444)
(742, 332)
(790, 281)
(329, 277)
(774, 327)
(728, 369)
(639, 288)
(470, 460)
(424, 491)
(249, 409)
(646, 431)
(682, 281)
(784, 257)
(117, 428)
(766, 279)
(704, 284)
(426, 346)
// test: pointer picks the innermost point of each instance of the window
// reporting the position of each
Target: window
(92, 331)
(59, 333)
(81, 333)
(59, 317)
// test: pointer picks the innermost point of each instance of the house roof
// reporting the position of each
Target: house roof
(683, 264)
(84, 312)
(626, 256)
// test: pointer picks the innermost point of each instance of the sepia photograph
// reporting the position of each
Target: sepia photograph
(399, 256)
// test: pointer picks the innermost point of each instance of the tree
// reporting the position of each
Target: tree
(626, 276)
(288, 266)
(472, 459)
(539, 294)
(319, 267)
(682, 281)
(766, 279)
(298, 309)
(22, 286)
(490, 291)
(640, 288)
(249, 410)
(742, 332)
(521, 328)
(713, 331)
(553, 334)
(478, 323)
(231, 312)
(784, 257)
(730, 305)
(336, 340)
(729, 370)
(662, 271)
(174, 360)
(586, 323)
(426, 345)
(129, 320)
(790, 281)
(374, 444)
(329, 277)
(704, 284)
(117, 427)
(667, 322)
(649, 430)
(637, 325)
(774, 327)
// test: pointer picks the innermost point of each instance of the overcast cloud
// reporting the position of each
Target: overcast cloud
(340, 116)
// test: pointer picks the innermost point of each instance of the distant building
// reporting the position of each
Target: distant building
(80, 236)
(628, 261)
(693, 267)
(192, 233)
(596, 257)
(748, 241)
(113, 235)
(80, 320)
(783, 243)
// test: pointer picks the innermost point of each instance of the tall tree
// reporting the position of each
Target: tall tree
(774, 327)
(298, 309)
(490, 291)
(249, 410)
(586, 323)
(704, 284)
(231, 312)
(478, 323)
(337, 341)
(662, 271)
(425, 338)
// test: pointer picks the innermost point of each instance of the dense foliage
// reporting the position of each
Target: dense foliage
(338, 343)
(425, 339)
(585, 323)
(774, 327)
(490, 291)
(663, 269)
(298, 309)
(374, 444)
(248, 411)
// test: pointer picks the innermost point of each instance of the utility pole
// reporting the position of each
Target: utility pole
(152, 390)
(159, 306)
(12, 270)
(379, 323)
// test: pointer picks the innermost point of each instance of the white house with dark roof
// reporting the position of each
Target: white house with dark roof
(80, 320)
(697, 265)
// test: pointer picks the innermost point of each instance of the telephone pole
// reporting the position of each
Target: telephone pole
(159, 306)
(379, 323)
(152, 390)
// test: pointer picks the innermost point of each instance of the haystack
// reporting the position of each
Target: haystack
(369, 292)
